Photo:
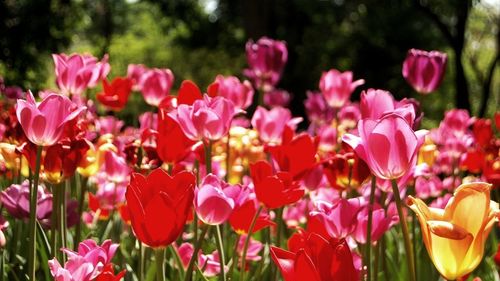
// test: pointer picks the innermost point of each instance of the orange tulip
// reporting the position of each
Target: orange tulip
(455, 237)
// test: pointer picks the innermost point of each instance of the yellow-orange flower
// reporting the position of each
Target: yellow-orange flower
(455, 237)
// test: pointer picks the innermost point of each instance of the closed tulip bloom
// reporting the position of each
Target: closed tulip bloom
(115, 95)
(277, 97)
(389, 146)
(266, 59)
(172, 144)
(317, 260)
(270, 124)
(455, 236)
(159, 205)
(135, 72)
(339, 218)
(337, 87)
(44, 123)
(212, 205)
(423, 70)
(274, 191)
(76, 73)
(376, 103)
(155, 85)
(240, 93)
(381, 223)
(207, 119)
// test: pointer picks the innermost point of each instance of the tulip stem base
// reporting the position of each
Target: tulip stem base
(32, 224)
(368, 261)
(404, 228)
(247, 241)
(220, 248)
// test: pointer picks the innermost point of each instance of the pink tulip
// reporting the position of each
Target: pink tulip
(337, 87)
(240, 93)
(135, 72)
(349, 115)
(109, 125)
(423, 70)
(44, 123)
(207, 119)
(254, 247)
(76, 73)
(318, 111)
(212, 205)
(295, 215)
(155, 85)
(428, 187)
(266, 60)
(208, 264)
(270, 124)
(389, 145)
(339, 218)
(86, 264)
(380, 224)
(277, 97)
(375, 103)
(148, 120)
(115, 167)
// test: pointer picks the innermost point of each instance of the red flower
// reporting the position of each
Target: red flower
(274, 191)
(115, 95)
(317, 259)
(159, 205)
(340, 167)
(242, 217)
(172, 143)
(108, 274)
(297, 156)
(483, 132)
(62, 159)
(188, 93)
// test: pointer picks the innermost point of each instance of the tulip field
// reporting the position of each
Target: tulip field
(225, 183)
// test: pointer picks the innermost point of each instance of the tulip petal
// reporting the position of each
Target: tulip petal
(158, 217)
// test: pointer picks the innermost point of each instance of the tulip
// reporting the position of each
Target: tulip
(277, 97)
(389, 145)
(155, 85)
(345, 170)
(135, 72)
(266, 60)
(270, 124)
(242, 216)
(337, 87)
(159, 205)
(317, 259)
(212, 204)
(240, 93)
(339, 218)
(16, 200)
(76, 73)
(376, 103)
(61, 160)
(208, 264)
(115, 95)
(108, 274)
(207, 119)
(318, 111)
(483, 131)
(423, 70)
(455, 236)
(172, 144)
(274, 191)
(45, 122)
(381, 223)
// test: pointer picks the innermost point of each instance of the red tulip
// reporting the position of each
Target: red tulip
(346, 170)
(62, 159)
(242, 217)
(159, 205)
(317, 259)
(483, 132)
(274, 191)
(115, 95)
(108, 274)
(172, 143)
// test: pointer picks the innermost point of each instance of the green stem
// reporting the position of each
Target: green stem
(404, 228)
(208, 156)
(62, 217)
(178, 260)
(247, 241)
(141, 261)
(32, 224)
(234, 256)
(54, 221)
(197, 246)
(220, 248)
(81, 201)
(160, 269)
(376, 262)
(369, 229)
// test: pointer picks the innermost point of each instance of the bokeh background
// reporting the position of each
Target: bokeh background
(198, 39)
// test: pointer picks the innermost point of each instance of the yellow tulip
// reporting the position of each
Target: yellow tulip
(455, 237)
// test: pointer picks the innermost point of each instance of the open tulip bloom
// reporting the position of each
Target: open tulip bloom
(210, 185)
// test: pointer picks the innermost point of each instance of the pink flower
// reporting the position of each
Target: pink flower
(428, 187)
(337, 87)
(423, 70)
(240, 93)
(135, 72)
(212, 205)
(277, 97)
(86, 264)
(339, 218)
(380, 224)
(389, 145)
(208, 264)
(254, 247)
(115, 167)
(155, 85)
(44, 123)
(270, 124)
(109, 125)
(76, 73)
(318, 111)
(16, 199)
(375, 103)
(207, 119)
(266, 60)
